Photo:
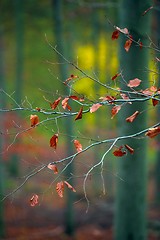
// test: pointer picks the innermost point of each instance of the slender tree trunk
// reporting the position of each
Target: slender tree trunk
(130, 216)
(60, 42)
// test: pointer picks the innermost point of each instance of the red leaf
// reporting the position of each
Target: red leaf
(140, 45)
(134, 83)
(132, 117)
(53, 167)
(79, 115)
(54, 141)
(118, 152)
(65, 103)
(127, 45)
(125, 97)
(131, 150)
(115, 35)
(78, 145)
(115, 110)
(124, 30)
(95, 107)
(150, 91)
(60, 188)
(74, 97)
(152, 132)
(34, 120)
(55, 103)
(70, 78)
(115, 76)
(34, 200)
(155, 102)
(69, 186)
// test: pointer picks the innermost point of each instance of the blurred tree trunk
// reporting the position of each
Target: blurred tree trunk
(2, 119)
(19, 17)
(130, 216)
(60, 42)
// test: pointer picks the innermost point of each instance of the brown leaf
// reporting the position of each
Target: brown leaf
(123, 30)
(34, 200)
(131, 150)
(155, 102)
(34, 120)
(127, 45)
(69, 186)
(118, 152)
(60, 188)
(115, 35)
(55, 103)
(140, 45)
(65, 103)
(146, 11)
(134, 83)
(78, 145)
(152, 132)
(115, 110)
(115, 76)
(54, 141)
(70, 78)
(95, 107)
(79, 115)
(132, 117)
(74, 97)
(110, 99)
(53, 167)
(125, 97)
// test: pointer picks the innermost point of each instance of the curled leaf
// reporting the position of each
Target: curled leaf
(55, 103)
(65, 103)
(134, 83)
(123, 30)
(95, 107)
(34, 200)
(132, 117)
(53, 167)
(70, 78)
(34, 120)
(115, 110)
(154, 102)
(79, 115)
(60, 189)
(127, 45)
(78, 145)
(125, 97)
(152, 132)
(54, 141)
(115, 76)
(110, 99)
(119, 152)
(115, 35)
(69, 186)
(131, 150)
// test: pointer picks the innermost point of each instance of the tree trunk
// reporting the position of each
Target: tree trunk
(130, 216)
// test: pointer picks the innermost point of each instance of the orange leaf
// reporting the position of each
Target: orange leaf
(115, 35)
(79, 115)
(127, 45)
(70, 78)
(34, 120)
(115, 110)
(155, 102)
(55, 103)
(131, 150)
(95, 107)
(65, 103)
(118, 152)
(69, 186)
(115, 76)
(110, 99)
(54, 141)
(60, 188)
(134, 83)
(78, 145)
(152, 132)
(53, 167)
(74, 97)
(34, 200)
(132, 117)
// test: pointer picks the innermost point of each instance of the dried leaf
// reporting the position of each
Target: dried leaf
(34, 120)
(65, 103)
(118, 152)
(60, 188)
(127, 45)
(78, 145)
(132, 117)
(115, 110)
(53, 167)
(74, 97)
(79, 115)
(131, 150)
(146, 11)
(110, 99)
(152, 132)
(115, 76)
(123, 30)
(55, 103)
(140, 45)
(125, 97)
(155, 102)
(134, 83)
(95, 107)
(115, 35)
(54, 141)
(70, 78)
(69, 186)
(34, 200)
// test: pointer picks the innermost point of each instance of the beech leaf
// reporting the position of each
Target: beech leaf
(65, 103)
(78, 145)
(132, 117)
(131, 150)
(115, 76)
(54, 141)
(118, 152)
(34, 120)
(152, 132)
(53, 167)
(95, 107)
(123, 30)
(155, 102)
(115, 110)
(79, 115)
(55, 103)
(34, 200)
(69, 186)
(127, 45)
(115, 35)
(60, 189)
(134, 83)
